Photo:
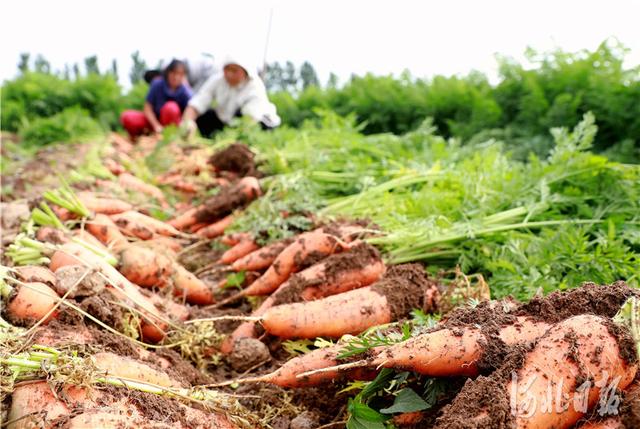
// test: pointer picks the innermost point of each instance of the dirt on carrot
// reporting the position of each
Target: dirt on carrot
(356, 258)
(236, 158)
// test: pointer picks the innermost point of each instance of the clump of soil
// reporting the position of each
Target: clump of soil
(248, 352)
(236, 158)
(222, 204)
(590, 298)
(406, 287)
(76, 277)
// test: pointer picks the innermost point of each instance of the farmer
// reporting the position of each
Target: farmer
(238, 92)
(166, 100)
(199, 69)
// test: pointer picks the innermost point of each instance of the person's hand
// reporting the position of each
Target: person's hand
(188, 128)
(158, 129)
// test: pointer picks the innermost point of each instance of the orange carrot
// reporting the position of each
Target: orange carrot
(113, 166)
(35, 273)
(105, 230)
(134, 218)
(103, 205)
(262, 258)
(578, 347)
(51, 235)
(131, 182)
(241, 249)
(235, 238)
(197, 227)
(145, 266)
(292, 259)
(192, 288)
(609, 423)
(185, 219)
(31, 302)
(217, 228)
(88, 238)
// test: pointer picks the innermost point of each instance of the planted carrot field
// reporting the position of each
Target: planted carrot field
(318, 278)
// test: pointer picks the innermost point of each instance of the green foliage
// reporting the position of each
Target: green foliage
(70, 125)
(556, 91)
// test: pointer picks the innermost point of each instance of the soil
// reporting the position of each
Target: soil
(248, 352)
(222, 204)
(236, 158)
(406, 287)
(67, 277)
(630, 408)
(590, 298)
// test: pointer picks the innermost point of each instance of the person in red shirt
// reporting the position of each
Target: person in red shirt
(166, 100)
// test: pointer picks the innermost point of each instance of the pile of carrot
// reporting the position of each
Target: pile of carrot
(326, 282)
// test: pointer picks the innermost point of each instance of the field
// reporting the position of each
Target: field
(332, 274)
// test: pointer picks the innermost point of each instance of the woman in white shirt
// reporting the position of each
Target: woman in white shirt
(238, 92)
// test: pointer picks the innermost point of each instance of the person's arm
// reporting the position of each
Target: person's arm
(258, 107)
(151, 117)
(190, 113)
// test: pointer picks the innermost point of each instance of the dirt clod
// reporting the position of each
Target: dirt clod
(248, 352)
(83, 283)
(236, 158)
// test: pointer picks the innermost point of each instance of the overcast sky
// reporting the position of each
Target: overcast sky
(425, 37)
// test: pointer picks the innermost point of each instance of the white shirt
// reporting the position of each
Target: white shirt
(249, 98)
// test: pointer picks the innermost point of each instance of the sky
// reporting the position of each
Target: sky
(425, 37)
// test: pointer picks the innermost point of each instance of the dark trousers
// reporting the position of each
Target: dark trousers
(209, 123)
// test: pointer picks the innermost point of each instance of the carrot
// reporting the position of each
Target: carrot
(403, 289)
(185, 219)
(145, 266)
(34, 403)
(292, 259)
(197, 227)
(241, 249)
(121, 144)
(217, 228)
(131, 182)
(114, 166)
(103, 205)
(105, 230)
(35, 273)
(235, 238)
(262, 258)
(154, 225)
(51, 235)
(609, 423)
(30, 302)
(88, 238)
(227, 200)
(125, 367)
(333, 275)
(192, 288)
(581, 347)
(165, 244)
